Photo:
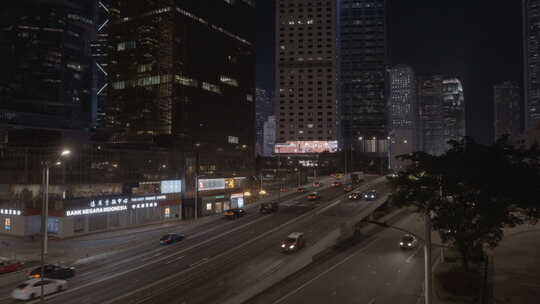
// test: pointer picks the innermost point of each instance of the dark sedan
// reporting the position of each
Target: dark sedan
(53, 272)
(170, 238)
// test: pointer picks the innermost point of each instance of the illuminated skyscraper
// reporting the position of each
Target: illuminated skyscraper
(531, 55)
(306, 76)
(402, 116)
(441, 108)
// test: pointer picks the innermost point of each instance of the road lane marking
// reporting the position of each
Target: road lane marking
(372, 301)
(326, 271)
(153, 262)
(174, 260)
(200, 262)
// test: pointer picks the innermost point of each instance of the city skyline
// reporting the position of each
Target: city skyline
(470, 50)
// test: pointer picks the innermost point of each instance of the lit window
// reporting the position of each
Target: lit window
(186, 81)
(209, 207)
(228, 80)
(211, 87)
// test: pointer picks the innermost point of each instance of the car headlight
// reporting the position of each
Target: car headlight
(373, 196)
(409, 244)
(291, 247)
(282, 245)
(401, 243)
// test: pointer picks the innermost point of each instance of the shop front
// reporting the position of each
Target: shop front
(107, 213)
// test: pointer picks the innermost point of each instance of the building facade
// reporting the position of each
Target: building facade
(363, 64)
(178, 68)
(430, 112)
(306, 76)
(100, 48)
(402, 114)
(269, 136)
(507, 110)
(531, 56)
(46, 75)
(264, 109)
(453, 98)
(441, 113)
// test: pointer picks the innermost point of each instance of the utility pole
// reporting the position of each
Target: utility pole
(197, 145)
(427, 258)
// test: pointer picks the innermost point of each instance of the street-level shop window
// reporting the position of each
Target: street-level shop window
(7, 224)
(167, 212)
(209, 207)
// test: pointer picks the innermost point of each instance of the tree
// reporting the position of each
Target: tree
(472, 191)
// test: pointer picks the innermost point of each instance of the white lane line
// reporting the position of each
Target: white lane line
(200, 262)
(325, 272)
(409, 259)
(174, 260)
(155, 261)
(372, 301)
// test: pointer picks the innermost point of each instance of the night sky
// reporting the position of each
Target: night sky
(478, 41)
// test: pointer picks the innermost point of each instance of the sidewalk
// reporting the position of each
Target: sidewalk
(516, 275)
(104, 243)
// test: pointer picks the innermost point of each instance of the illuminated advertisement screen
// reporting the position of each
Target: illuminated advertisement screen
(303, 147)
(211, 184)
(171, 186)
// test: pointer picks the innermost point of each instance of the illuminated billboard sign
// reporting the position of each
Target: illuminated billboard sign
(171, 186)
(303, 147)
(117, 204)
(219, 183)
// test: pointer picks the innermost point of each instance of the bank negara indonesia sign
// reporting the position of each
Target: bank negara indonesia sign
(118, 204)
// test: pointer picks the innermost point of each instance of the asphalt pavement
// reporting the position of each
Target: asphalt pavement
(373, 272)
(102, 280)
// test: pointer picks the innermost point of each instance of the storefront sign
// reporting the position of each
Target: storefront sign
(237, 200)
(219, 183)
(125, 200)
(10, 212)
(118, 204)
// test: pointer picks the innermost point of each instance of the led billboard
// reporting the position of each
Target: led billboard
(304, 147)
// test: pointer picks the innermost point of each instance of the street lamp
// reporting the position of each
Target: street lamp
(45, 210)
(197, 145)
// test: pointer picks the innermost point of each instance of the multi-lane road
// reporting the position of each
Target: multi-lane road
(195, 265)
(374, 271)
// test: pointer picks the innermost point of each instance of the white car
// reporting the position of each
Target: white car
(31, 289)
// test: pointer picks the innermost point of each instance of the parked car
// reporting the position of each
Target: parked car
(408, 241)
(317, 184)
(355, 196)
(370, 195)
(31, 289)
(313, 196)
(348, 188)
(53, 271)
(170, 238)
(295, 241)
(266, 208)
(234, 213)
(9, 265)
(300, 189)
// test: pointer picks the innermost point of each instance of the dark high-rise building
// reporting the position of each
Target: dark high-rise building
(441, 108)
(507, 110)
(264, 109)
(182, 69)
(306, 76)
(430, 112)
(531, 56)
(363, 59)
(46, 74)
(100, 49)
(403, 114)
